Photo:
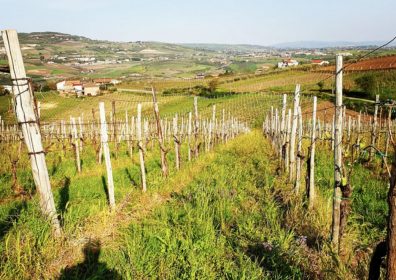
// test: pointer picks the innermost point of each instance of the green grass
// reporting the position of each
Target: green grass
(215, 228)
(226, 215)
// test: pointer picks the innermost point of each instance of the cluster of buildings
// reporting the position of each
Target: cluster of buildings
(287, 63)
(292, 62)
(82, 88)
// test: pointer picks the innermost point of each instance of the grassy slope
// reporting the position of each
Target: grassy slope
(234, 219)
(215, 228)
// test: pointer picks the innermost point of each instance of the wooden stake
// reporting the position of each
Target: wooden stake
(299, 151)
(196, 125)
(106, 151)
(293, 134)
(24, 110)
(76, 144)
(161, 142)
(140, 146)
(189, 132)
(337, 156)
(177, 143)
(311, 188)
(374, 128)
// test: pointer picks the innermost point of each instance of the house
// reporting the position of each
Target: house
(102, 81)
(287, 63)
(345, 54)
(60, 85)
(200, 76)
(72, 86)
(91, 89)
(78, 89)
(7, 88)
(319, 62)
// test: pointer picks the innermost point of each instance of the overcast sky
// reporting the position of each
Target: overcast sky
(206, 21)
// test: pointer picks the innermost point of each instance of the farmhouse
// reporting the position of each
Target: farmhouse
(77, 87)
(68, 86)
(287, 63)
(106, 81)
(7, 88)
(91, 89)
(200, 76)
(319, 62)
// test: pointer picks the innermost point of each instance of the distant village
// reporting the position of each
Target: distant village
(292, 62)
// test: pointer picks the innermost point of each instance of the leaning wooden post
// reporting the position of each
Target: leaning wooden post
(163, 149)
(311, 188)
(292, 157)
(105, 146)
(337, 155)
(140, 146)
(27, 120)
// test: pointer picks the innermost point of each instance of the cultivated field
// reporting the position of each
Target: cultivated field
(230, 206)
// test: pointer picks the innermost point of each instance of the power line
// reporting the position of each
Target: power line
(359, 59)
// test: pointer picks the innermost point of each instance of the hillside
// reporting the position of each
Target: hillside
(53, 55)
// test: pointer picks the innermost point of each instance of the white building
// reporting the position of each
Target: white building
(287, 63)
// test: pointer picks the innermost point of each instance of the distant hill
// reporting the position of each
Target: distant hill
(51, 43)
(326, 44)
(227, 47)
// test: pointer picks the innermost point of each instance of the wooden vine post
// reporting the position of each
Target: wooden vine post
(299, 151)
(374, 128)
(293, 134)
(106, 151)
(391, 228)
(176, 142)
(28, 122)
(311, 187)
(76, 143)
(337, 156)
(189, 132)
(163, 149)
(282, 136)
(196, 127)
(140, 146)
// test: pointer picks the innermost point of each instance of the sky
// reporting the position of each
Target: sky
(260, 22)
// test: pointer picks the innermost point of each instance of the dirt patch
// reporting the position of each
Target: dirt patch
(325, 111)
(42, 72)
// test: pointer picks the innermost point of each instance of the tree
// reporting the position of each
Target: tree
(368, 83)
(320, 85)
(213, 85)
